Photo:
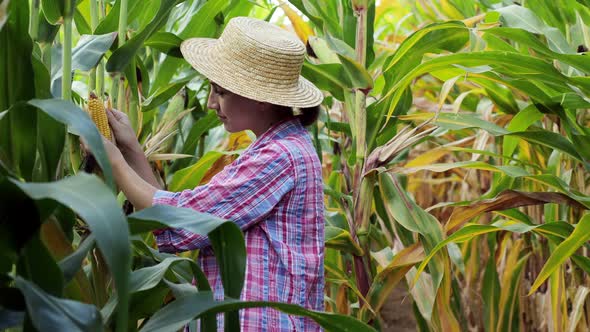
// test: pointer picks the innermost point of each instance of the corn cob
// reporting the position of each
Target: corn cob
(99, 115)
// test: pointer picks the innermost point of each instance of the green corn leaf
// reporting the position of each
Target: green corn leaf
(359, 76)
(140, 11)
(510, 299)
(85, 56)
(555, 232)
(79, 123)
(110, 22)
(537, 136)
(230, 253)
(17, 73)
(124, 54)
(162, 216)
(149, 277)
(200, 23)
(403, 209)
(551, 140)
(81, 24)
(529, 39)
(390, 276)
(329, 77)
(165, 93)
(520, 17)
(71, 264)
(224, 235)
(54, 10)
(21, 126)
(336, 275)
(491, 289)
(49, 312)
(47, 31)
(566, 249)
(51, 134)
(513, 65)
(558, 184)
(340, 239)
(165, 42)
(48, 276)
(201, 127)
(521, 121)
(100, 210)
(190, 177)
(464, 234)
(582, 262)
(451, 36)
(183, 310)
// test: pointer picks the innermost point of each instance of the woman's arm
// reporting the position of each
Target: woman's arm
(130, 148)
(138, 191)
(137, 160)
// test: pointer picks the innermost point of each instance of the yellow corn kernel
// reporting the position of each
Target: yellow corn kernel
(99, 115)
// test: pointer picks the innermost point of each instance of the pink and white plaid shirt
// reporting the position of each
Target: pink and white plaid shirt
(274, 192)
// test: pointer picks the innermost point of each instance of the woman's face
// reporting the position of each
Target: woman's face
(237, 113)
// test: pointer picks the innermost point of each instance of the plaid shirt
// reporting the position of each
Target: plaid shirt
(274, 192)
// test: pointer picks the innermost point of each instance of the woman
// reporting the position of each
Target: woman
(273, 191)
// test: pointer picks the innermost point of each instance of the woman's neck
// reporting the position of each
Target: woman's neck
(274, 117)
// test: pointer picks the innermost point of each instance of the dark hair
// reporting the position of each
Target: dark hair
(308, 115)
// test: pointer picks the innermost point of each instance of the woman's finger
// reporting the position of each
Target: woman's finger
(117, 114)
(113, 138)
(111, 117)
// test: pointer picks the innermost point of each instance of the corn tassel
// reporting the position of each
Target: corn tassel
(99, 115)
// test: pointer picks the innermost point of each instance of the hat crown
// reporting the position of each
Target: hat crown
(253, 32)
(262, 50)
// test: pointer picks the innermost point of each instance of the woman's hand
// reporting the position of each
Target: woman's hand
(122, 131)
(139, 192)
(129, 146)
(113, 154)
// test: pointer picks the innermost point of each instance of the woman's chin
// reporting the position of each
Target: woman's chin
(229, 128)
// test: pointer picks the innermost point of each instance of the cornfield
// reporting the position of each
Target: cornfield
(454, 138)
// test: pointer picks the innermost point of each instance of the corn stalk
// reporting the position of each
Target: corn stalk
(362, 187)
(34, 21)
(120, 81)
(94, 20)
(66, 86)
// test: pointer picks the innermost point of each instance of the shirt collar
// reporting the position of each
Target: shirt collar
(278, 130)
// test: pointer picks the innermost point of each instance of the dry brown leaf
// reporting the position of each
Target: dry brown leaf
(507, 199)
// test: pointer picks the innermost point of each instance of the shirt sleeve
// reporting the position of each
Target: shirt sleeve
(243, 192)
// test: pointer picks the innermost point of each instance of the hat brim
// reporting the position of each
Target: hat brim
(200, 53)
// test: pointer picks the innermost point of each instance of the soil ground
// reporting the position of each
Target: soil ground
(397, 312)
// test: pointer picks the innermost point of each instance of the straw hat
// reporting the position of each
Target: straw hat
(257, 60)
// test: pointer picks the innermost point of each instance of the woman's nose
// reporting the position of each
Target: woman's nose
(212, 103)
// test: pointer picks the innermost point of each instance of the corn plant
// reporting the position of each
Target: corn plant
(498, 93)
